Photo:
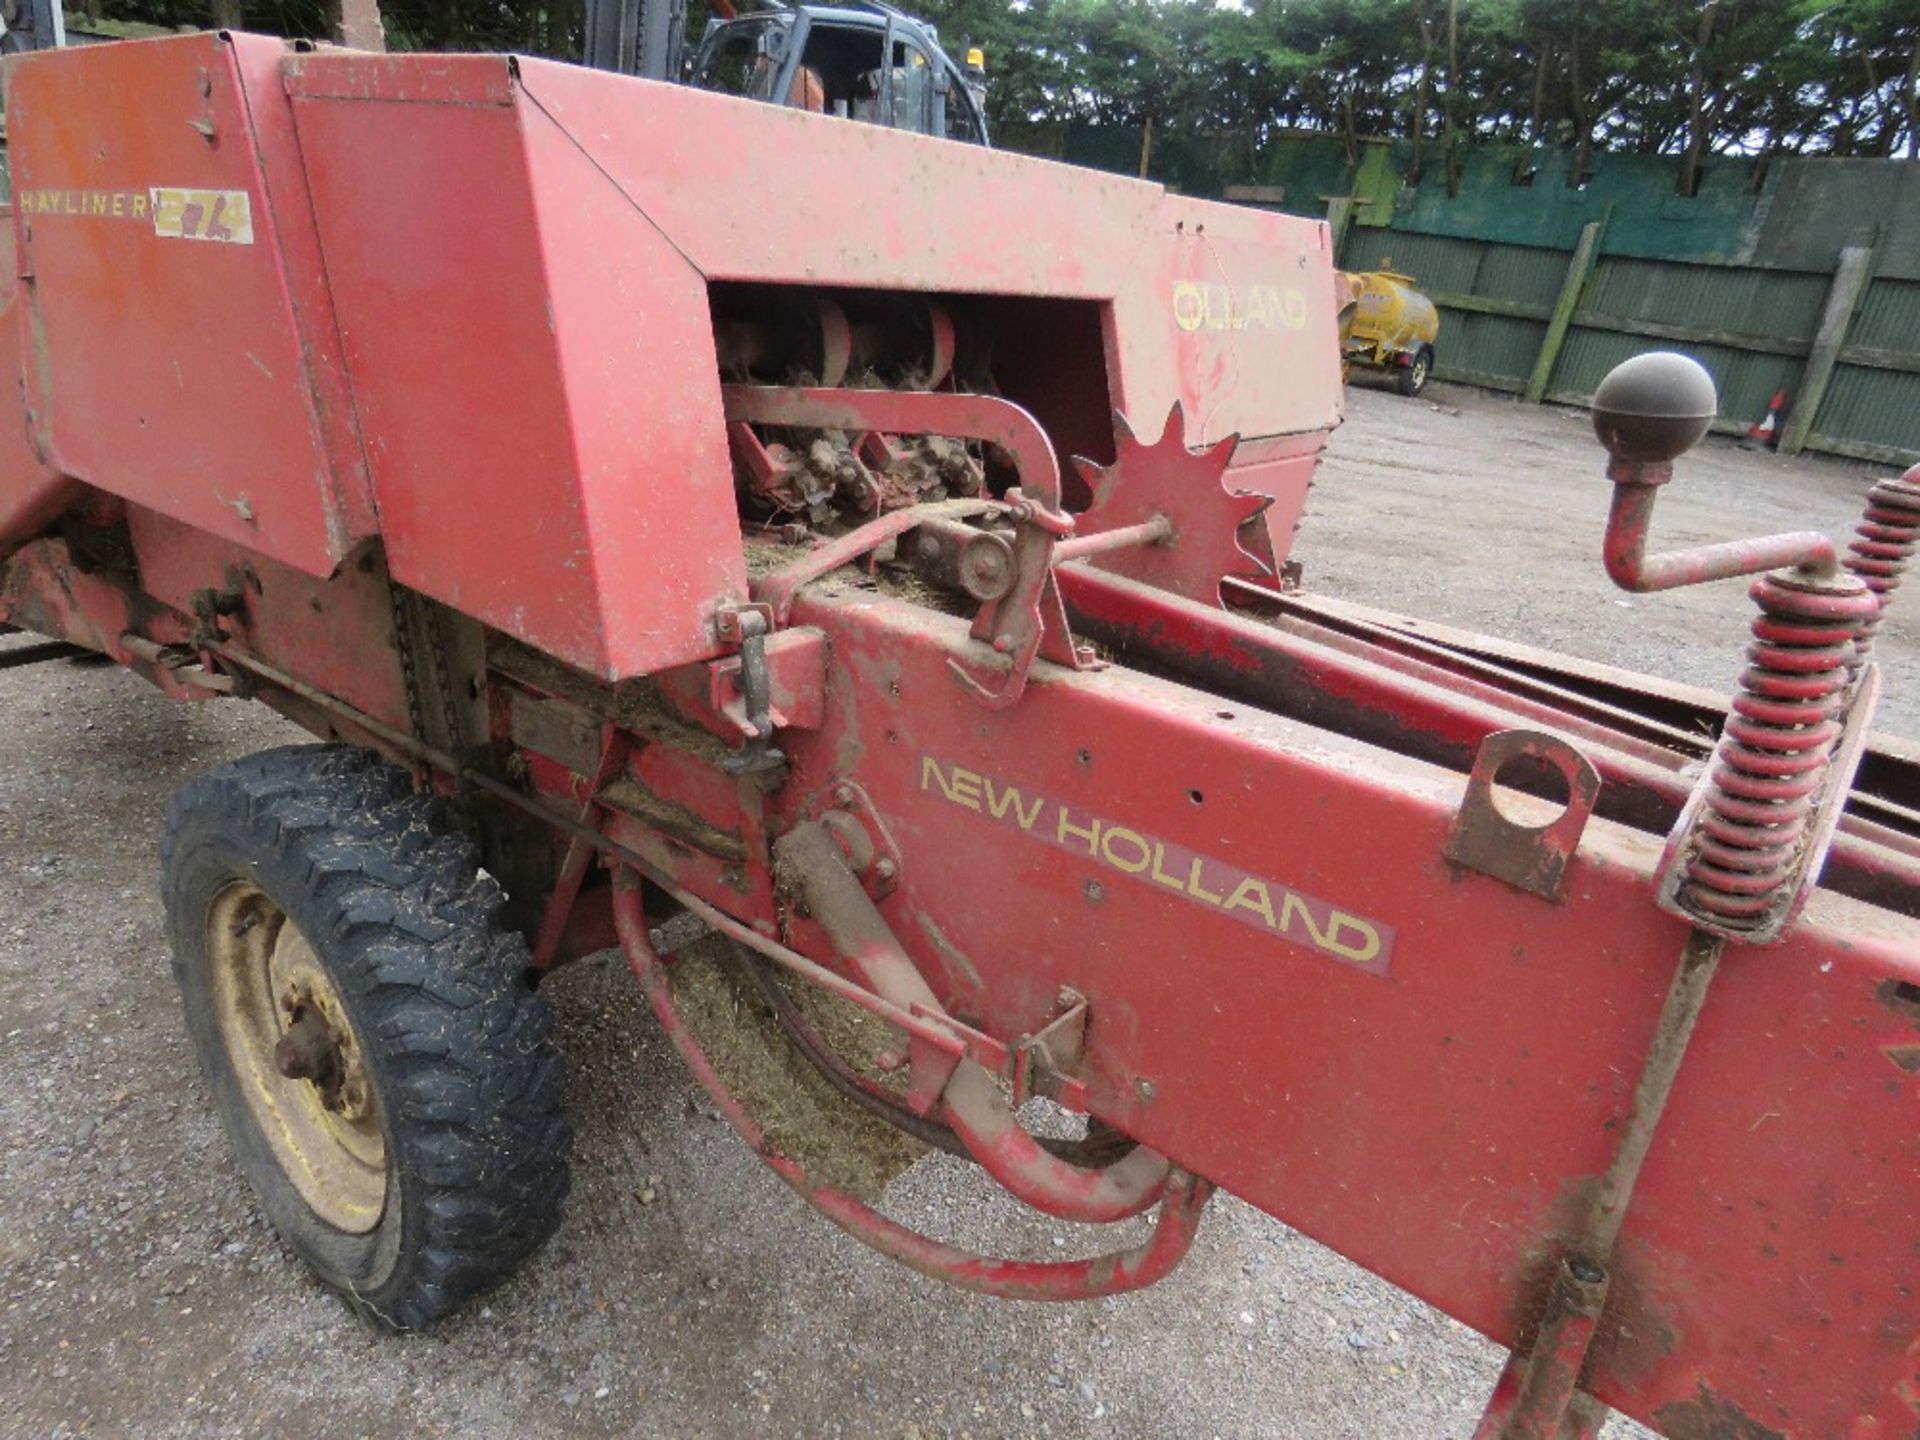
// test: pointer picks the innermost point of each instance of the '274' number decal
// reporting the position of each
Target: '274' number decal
(222, 215)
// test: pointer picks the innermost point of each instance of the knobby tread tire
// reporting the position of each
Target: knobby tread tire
(408, 927)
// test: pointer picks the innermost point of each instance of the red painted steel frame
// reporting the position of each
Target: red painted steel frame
(1439, 1112)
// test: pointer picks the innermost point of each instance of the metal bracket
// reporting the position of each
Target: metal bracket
(1041, 1060)
(748, 626)
(847, 812)
(1530, 857)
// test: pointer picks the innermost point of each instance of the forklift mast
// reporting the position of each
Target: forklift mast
(32, 25)
(637, 37)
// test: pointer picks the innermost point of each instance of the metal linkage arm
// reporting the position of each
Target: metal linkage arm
(1114, 1273)
(1648, 412)
(809, 861)
(1631, 518)
(1016, 622)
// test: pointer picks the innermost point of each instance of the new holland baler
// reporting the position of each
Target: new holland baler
(842, 569)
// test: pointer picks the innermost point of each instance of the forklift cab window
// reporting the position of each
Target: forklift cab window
(877, 74)
(743, 58)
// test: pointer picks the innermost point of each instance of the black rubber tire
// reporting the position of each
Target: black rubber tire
(407, 927)
(1413, 378)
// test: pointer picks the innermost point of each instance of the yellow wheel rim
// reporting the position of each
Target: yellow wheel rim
(297, 1058)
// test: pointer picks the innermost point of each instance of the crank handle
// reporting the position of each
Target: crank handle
(1649, 411)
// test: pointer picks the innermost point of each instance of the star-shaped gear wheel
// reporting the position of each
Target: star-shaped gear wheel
(1216, 533)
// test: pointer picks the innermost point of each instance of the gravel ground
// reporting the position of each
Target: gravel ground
(688, 1293)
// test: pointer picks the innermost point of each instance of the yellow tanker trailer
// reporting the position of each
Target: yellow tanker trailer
(1386, 324)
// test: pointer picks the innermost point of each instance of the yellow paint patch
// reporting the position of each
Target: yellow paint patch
(1253, 900)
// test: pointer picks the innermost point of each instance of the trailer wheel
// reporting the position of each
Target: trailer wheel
(384, 1074)
(1413, 377)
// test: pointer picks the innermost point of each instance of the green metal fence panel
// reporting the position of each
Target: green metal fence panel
(1492, 350)
(1771, 306)
(1889, 316)
(1747, 380)
(1523, 273)
(1870, 412)
(1736, 276)
(1436, 262)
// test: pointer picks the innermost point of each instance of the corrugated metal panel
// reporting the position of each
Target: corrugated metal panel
(1864, 406)
(1521, 272)
(1888, 317)
(1436, 262)
(1872, 407)
(1486, 349)
(1779, 304)
(1746, 380)
(1454, 266)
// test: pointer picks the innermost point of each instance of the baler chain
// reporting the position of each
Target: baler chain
(403, 649)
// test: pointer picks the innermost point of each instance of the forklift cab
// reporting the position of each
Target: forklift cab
(870, 64)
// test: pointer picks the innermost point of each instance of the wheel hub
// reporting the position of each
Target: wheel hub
(297, 1058)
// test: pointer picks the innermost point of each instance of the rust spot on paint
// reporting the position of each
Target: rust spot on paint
(1711, 1417)
(1907, 1057)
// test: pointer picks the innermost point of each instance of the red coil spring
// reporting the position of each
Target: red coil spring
(1778, 746)
(1884, 543)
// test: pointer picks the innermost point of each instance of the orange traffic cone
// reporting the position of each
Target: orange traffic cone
(1765, 433)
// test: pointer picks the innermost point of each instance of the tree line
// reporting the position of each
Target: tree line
(1689, 78)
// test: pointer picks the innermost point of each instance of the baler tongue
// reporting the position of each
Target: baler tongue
(1209, 534)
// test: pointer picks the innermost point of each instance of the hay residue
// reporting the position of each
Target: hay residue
(796, 1107)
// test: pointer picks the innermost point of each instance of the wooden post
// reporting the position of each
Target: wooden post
(1339, 216)
(1849, 279)
(1579, 270)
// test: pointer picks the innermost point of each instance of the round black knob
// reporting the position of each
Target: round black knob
(1654, 407)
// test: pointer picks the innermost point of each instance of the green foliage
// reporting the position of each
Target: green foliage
(1791, 76)
(1796, 76)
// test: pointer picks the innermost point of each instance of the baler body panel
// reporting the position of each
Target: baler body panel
(181, 348)
(506, 351)
(534, 370)
(1226, 310)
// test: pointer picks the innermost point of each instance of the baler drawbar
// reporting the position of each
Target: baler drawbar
(871, 613)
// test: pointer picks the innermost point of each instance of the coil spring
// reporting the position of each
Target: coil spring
(1884, 543)
(1778, 747)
